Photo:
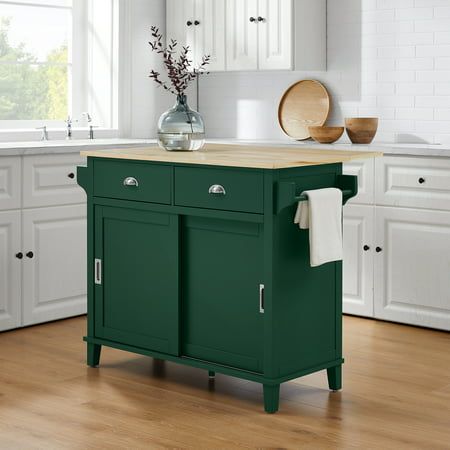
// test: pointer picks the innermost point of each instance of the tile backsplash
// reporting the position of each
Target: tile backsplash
(386, 58)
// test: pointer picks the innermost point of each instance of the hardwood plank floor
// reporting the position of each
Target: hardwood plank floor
(396, 395)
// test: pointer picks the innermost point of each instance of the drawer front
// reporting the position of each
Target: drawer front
(146, 182)
(242, 190)
(413, 182)
(50, 180)
(364, 170)
(10, 182)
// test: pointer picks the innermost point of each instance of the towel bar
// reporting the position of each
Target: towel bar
(286, 191)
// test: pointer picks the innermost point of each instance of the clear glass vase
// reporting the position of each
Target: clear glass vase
(181, 128)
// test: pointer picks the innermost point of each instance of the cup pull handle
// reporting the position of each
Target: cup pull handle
(130, 181)
(216, 189)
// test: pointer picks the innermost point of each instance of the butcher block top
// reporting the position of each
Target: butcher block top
(237, 155)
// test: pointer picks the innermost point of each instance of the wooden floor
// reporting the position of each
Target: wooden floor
(396, 395)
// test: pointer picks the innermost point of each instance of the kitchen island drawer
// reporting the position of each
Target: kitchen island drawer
(133, 181)
(415, 182)
(232, 190)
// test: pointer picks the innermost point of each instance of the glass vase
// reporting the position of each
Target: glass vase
(181, 128)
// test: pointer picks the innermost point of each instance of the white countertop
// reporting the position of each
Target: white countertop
(77, 145)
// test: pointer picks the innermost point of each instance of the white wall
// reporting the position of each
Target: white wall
(141, 102)
(386, 58)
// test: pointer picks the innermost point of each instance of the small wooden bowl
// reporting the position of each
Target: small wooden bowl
(326, 135)
(361, 130)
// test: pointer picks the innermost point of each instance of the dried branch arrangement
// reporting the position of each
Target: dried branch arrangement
(179, 68)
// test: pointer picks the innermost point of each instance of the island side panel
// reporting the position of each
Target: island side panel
(306, 311)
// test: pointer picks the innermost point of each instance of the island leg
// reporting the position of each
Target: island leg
(93, 354)
(211, 374)
(271, 398)
(335, 377)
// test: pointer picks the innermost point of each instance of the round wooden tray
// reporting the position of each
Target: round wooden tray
(306, 103)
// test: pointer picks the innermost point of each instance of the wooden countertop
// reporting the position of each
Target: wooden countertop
(236, 155)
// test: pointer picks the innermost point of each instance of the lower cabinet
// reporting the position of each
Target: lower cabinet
(54, 263)
(136, 286)
(222, 265)
(412, 266)
(358, 260)
(10, 270)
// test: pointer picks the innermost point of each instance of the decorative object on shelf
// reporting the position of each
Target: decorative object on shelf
(305, 104)
(361, 130)
(180, 128)
(325, 134)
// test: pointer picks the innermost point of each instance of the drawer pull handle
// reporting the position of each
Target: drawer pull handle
(71, 175)
(366, 248)
(30, 255)
(378, 249)
(19, 255)
(421, 180)
(130, 181)
(216, 189)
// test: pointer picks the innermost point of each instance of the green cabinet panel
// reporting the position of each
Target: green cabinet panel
(154, 182)
(243, 189)
(136, 301)
(222, 266)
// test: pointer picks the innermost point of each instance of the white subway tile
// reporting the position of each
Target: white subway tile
(385, 113)
(442, 37)
(432, 50)
(442, 114)
(414, 113)
(442, 63)
(433, 76)
(383, 15)
(396, 76)
(434, 25)
(414, 88)
(413, 13)
(395, 27)
(433, 126)
(394, 4)
(415, 38)
(395, 101)
(442, 88)
(442, 12)
(396, 126)
(430, 101)
(415, 64)
(421, 3)
(398, 52)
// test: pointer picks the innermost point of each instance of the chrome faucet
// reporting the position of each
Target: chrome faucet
(44, 135)
(91, 127)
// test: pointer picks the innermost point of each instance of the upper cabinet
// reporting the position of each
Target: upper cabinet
(251, 34)
(200, 24)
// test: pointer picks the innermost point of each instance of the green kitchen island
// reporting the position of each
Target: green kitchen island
(193, 257)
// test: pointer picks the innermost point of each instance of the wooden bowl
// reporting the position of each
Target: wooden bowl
(326, 135)
(361, 130)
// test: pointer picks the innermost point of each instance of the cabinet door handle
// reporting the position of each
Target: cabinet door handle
(421, 180)
(196, 22)
(130, 181)
(19, 255)
(189, 23)
(252, 19)
(378, 249)
(366, 248)
(261, 298)
(216, 189)
(261, 19)
(71, 175)
(30, 255)
(97, 271)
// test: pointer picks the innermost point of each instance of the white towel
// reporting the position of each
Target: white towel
(322, 214)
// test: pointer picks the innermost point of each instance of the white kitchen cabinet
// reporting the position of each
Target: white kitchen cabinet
(10, 182)
(42, 239)
(10, 269)
(51, 180)
(358, 260)
(412, 266)
(200, 24)
(251, 34)
(54, 265)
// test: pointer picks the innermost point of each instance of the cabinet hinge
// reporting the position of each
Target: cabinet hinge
(261, 298)
(98, 271)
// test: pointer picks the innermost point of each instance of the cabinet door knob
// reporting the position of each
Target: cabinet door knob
(216, 189)
(378, 249)
(196, 22)
(130, 181)
(261, 19)
(421, 180)
(188, 23)
(30, 254)
(19, 255)
(71, 175)
(252, 19)
(366, 248)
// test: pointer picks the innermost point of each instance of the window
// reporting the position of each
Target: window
(56, 56)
